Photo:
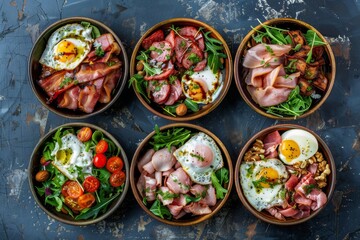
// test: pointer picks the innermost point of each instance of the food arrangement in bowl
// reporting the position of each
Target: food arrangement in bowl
(284, 68)
(77, 67)
(285, 174)
(181, 174)
(78, 174)
(181, 69)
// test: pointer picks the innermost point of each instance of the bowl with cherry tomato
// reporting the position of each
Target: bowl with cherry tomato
(78, 174)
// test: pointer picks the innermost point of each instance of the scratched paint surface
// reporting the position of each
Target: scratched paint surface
(23, 120)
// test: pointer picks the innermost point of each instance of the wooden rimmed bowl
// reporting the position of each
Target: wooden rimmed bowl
(328, 189)
(34, 69)
(240, 72)
(188, 219)
(35, 166)
(227, 71)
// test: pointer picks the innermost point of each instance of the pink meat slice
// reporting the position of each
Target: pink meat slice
(175, 92)
(178, 181)
(150, 188)
(287, 81)
(261, 54)
(161, 51)
(291, 182)
(163, 159)
(161, 192)
(269, 79)
(271, 142)
(255, 76)
(171, 38)
(166, 72)
(69, 99)
(269, 96)
(145, 159)
(197, 208)
(160, 90)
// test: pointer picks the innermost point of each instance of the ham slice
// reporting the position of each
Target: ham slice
(291, 182)
(269, 96)
(150, 188)
(210, 197)
(149, 168)
(304, 211)
(269, 79)
(261, 54)
(289, 81)
(289, 212)
(140, 184)
(319, 198)
(163, 160)
(175, 210)
(178, 181)
(255, 76)
(271, 142)
(197, 208)
(274, 212)
(198, 190)
(145, 159)
(162, 192)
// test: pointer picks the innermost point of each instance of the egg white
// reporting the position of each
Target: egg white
(75, 33)
(189, 158)
(266, 197)
(210, 83)
(70, 155)
(307, 143)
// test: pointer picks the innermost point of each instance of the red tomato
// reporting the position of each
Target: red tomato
(91, 184)
(117, 178)
(101, 146)
(73, 204)
(71, 189)
(84, 134)
(86, 200)
(99, 160)
(114, 164)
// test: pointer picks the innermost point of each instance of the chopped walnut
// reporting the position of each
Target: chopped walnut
(256, 152)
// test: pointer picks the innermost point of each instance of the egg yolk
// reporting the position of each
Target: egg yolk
(196, 92)
(65, 51)
(290, 149)
(270, 174)
(64, 155)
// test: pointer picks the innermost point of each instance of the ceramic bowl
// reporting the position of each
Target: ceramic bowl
(240, 72)
(188, 219)
(35, 166)
(35, 69)
(226, 72)
(265, 215)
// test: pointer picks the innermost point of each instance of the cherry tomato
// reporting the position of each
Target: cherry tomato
(117, 178)
(84, 134)
(101, 146)
(86, 200)
(73, 204)
(114, 164)
(99, 160)
(72, 189)
(91, 184)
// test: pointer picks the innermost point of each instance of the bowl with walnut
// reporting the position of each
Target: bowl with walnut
(285, 174)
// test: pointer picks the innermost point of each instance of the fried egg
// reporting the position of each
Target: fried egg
(199, 157)
(67, 47)
(202, 87)
(263, 182)
(71, 156)
(297, 145)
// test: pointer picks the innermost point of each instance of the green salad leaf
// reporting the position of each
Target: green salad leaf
(160, 210)
(172, 137)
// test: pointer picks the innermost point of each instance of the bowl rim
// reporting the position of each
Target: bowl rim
(271, 219)
(197, 219)
(228, 61)
(31, 176)
(123, 78)
(238, 78)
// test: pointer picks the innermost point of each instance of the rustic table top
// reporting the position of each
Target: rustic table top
(23, 119)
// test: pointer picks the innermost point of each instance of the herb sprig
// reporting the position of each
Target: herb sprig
(214, 47)
(172, 137)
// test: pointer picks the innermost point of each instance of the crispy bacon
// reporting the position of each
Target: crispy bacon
(69, 99)
(54, 85)
(109, 85)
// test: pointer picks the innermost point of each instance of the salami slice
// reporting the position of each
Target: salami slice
(157, 36)
(175, 92)
(159, 90)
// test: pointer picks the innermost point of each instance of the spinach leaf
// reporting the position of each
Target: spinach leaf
(190, 104)
(160, 210)
(220, 191)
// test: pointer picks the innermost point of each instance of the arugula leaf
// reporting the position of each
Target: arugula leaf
(313, 40)
(220, 191)
(214, 48)
(171, 137)
(276, 35)
(223, 175)
(190, 199)
(296, 105)
(99, 51)
(140, 85)
(150, 71)
(160, 210)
